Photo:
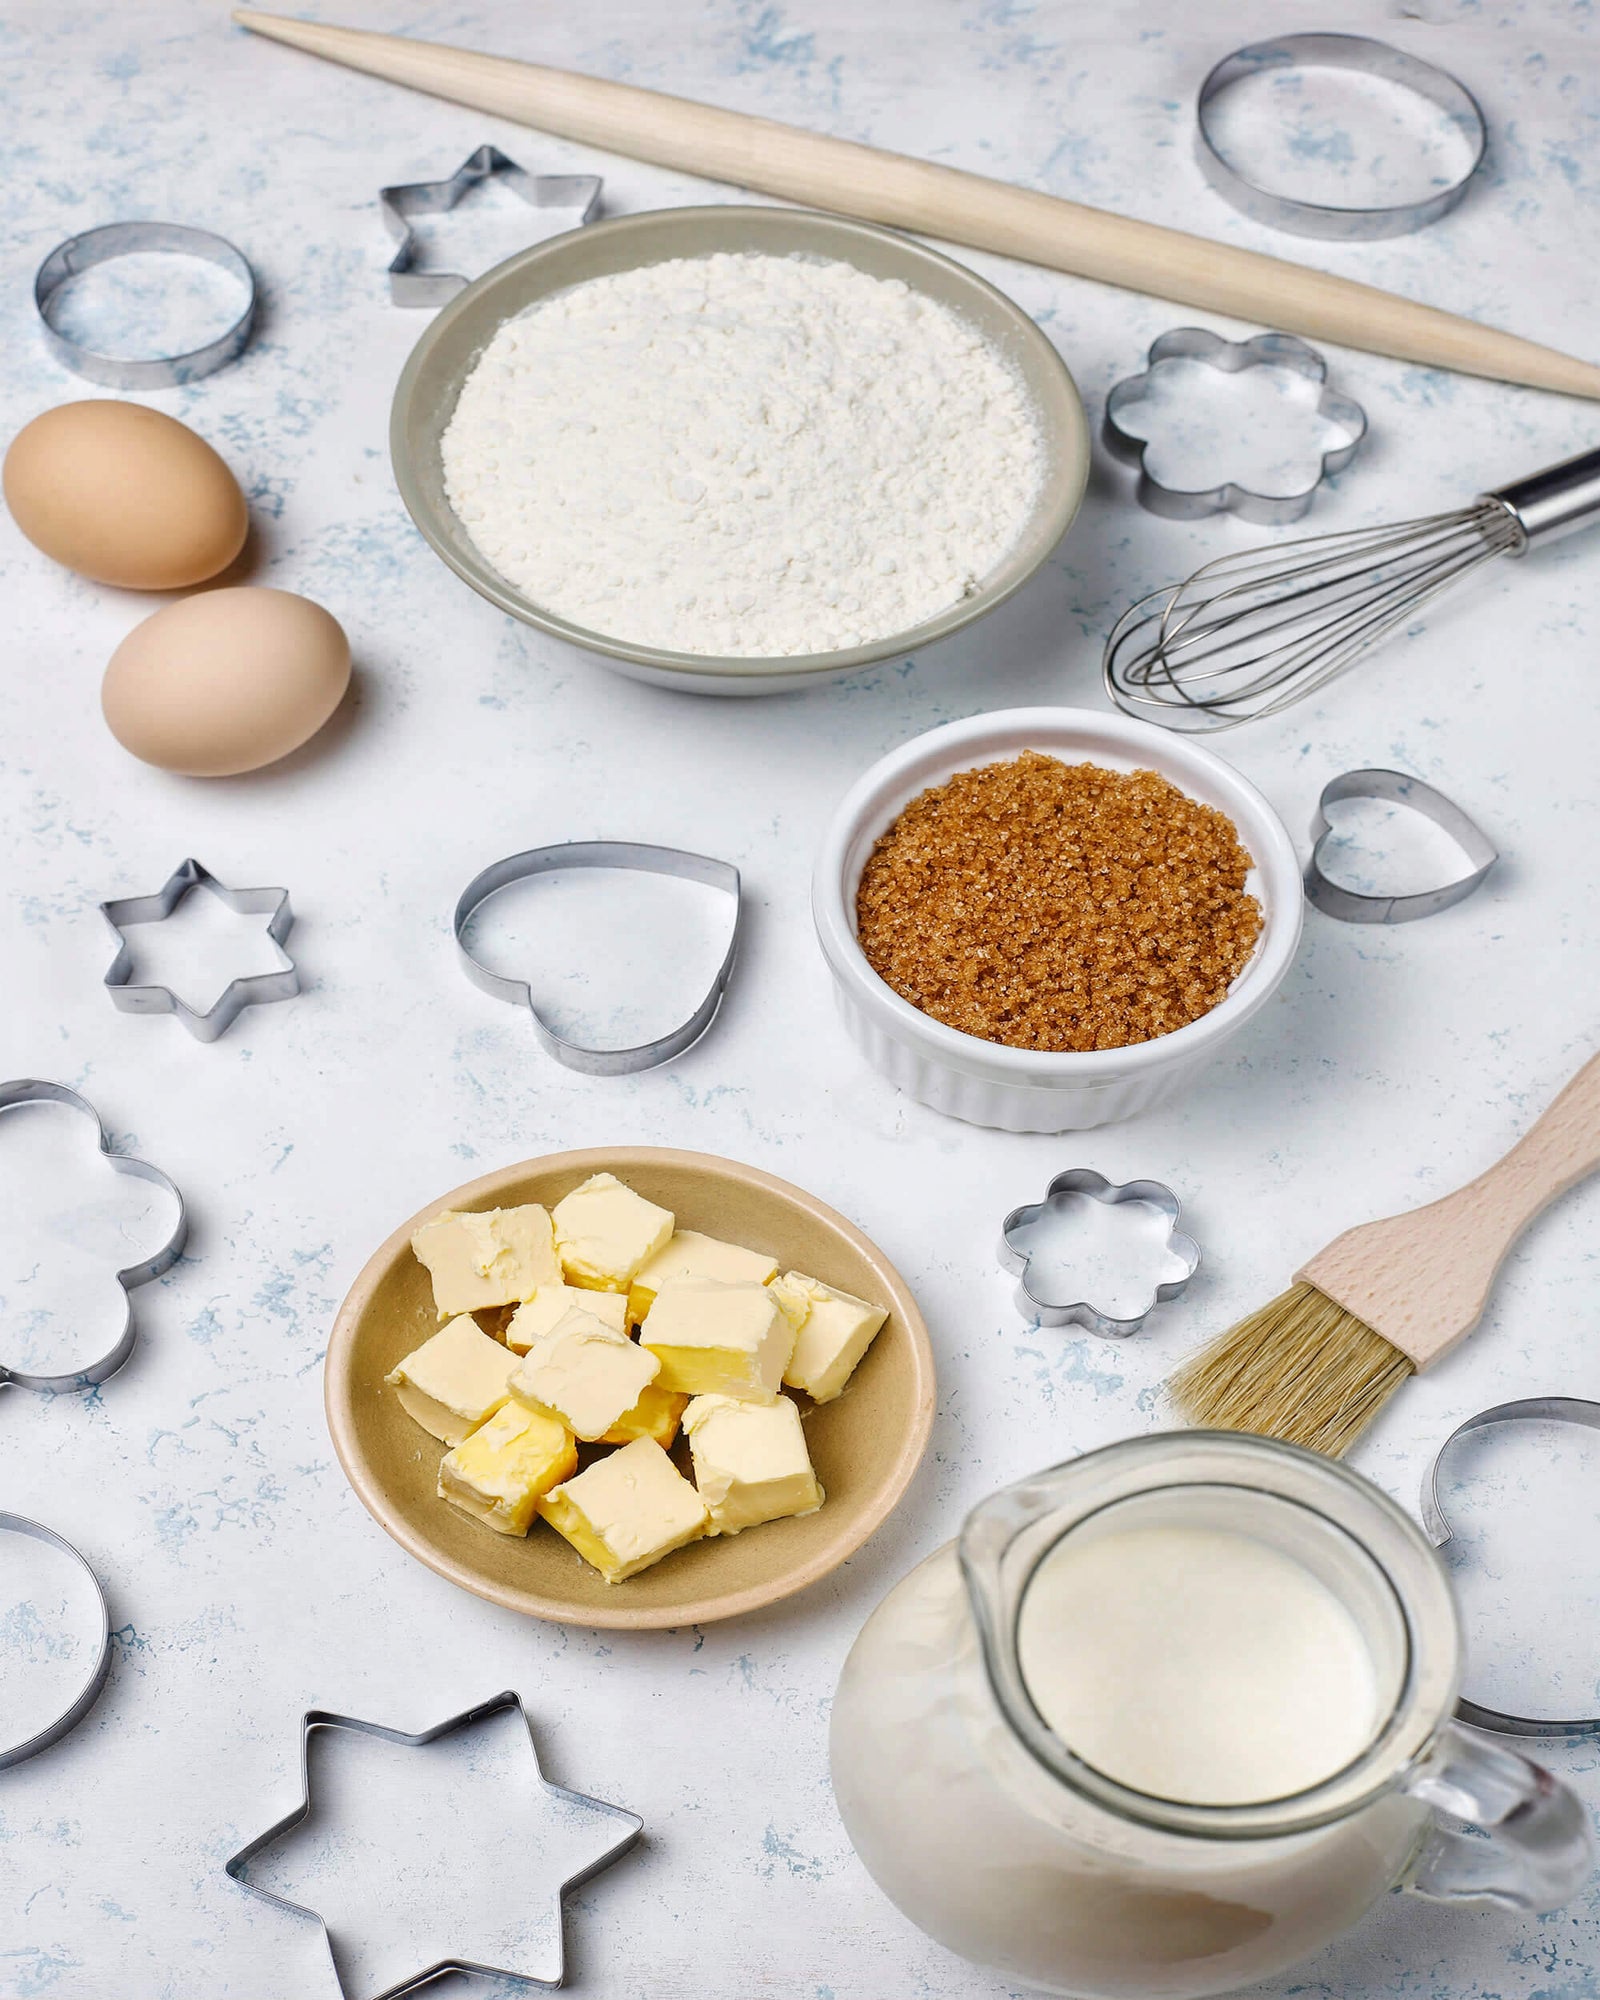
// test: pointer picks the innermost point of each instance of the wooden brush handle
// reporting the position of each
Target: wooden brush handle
(941, 201)
(1422, 1280)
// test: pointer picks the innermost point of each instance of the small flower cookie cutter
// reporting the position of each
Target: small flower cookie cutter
(1528, 1409)
(643, 859)
(590, 1864)
(1265, 350)
(32, 1090)
(17, 1749)
(410, 287)
(1075, 1184)
(256, 989)
(1354, 906)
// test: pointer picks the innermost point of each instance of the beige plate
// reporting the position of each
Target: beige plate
(866, 1444)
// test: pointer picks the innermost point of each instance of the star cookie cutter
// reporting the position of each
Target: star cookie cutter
(1353, 906)
(1080, 1184)
(16, 1750)
(631, 1826)
(410, 287)
(1230, 357)
(256, 989)
(642, 859)
(31, 1090)
(1528, 1409)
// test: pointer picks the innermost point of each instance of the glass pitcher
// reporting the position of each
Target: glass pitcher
(986, 1830)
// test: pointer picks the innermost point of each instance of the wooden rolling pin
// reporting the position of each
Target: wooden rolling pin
(760, 154)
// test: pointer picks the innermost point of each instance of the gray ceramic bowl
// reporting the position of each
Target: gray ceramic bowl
(431, 381)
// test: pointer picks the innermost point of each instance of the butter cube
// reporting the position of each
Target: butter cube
(718, 1340)
(489, 1257)
(833, 1330)
(585, 1373)
(655, 1415)
(691, 1255)
(454, 1381)
(627, 1510)
(750, 1461)
(604, 1232)
(551, 1303)
(500, 1473)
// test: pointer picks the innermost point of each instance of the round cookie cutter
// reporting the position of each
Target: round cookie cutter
(129, 239)
(1369, 58)
(13, 1751)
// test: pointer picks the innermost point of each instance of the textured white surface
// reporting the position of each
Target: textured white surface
(246, 1581)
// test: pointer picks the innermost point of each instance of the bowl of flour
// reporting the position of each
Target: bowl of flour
(739, 450)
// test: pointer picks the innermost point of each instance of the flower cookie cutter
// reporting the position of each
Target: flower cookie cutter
(15, 1750)
(410, 287)
(1229, 357)
(642, 859)
(587, 1862)
(1354, 906)
(253, 990)
(31, 1090)
(1077, 1184)
(1528, 1409)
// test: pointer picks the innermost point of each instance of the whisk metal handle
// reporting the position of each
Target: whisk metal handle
(1553, 502)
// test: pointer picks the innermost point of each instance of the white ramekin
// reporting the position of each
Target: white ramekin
(1027, 1090)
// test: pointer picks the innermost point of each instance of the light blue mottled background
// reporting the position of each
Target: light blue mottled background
(246, 1580)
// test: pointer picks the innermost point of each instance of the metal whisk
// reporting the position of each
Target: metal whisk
(1249, 634)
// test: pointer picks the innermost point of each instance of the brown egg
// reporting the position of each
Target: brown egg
(125, 495)
(226, 681)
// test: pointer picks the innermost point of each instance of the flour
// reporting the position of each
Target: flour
(743, 455)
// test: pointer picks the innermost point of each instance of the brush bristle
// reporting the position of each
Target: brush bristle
(1300, 1368)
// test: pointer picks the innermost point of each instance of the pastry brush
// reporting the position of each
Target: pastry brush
(1319, 1362)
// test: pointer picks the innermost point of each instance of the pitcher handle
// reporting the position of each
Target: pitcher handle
(1525, 1841)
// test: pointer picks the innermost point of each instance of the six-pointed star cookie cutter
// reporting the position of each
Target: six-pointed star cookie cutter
(254, 990)
(1528, 1409)
(31, 1090)
(1079, 1183)
(642, 859)
(1354, 906)
(320, 1718)
(410, 287)
(1265, 350)
(16, 1749)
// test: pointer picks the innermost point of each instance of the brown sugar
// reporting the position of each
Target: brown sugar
(1058, 906)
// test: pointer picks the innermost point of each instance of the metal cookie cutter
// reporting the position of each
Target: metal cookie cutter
(1351, 906)
(129, 239)
(1265, 350)
(1530, 1409)
(253, 990)
(1374, 59)
(30, 1090)
(594, 1855)
(629, 854)
(410, 287)
(1080, 1184)
(16, 1750)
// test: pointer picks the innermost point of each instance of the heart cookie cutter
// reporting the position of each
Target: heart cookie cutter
(410, 287)
(1353, 906)
(254, 990)
(640, 858)
(1084, 1184)
(1282, 351)
(1529, 1409)
(17, 1749)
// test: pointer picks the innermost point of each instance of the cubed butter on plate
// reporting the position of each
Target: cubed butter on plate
(627, 1511)
(500, 1473)
(454, 1381)
(656, 1415)
(489, 1257)
(750, 1461)
(718, 1340)
(551, 1303)
(585, 1373)
(691, 1255)
(833, 1330)
(604, 1232)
